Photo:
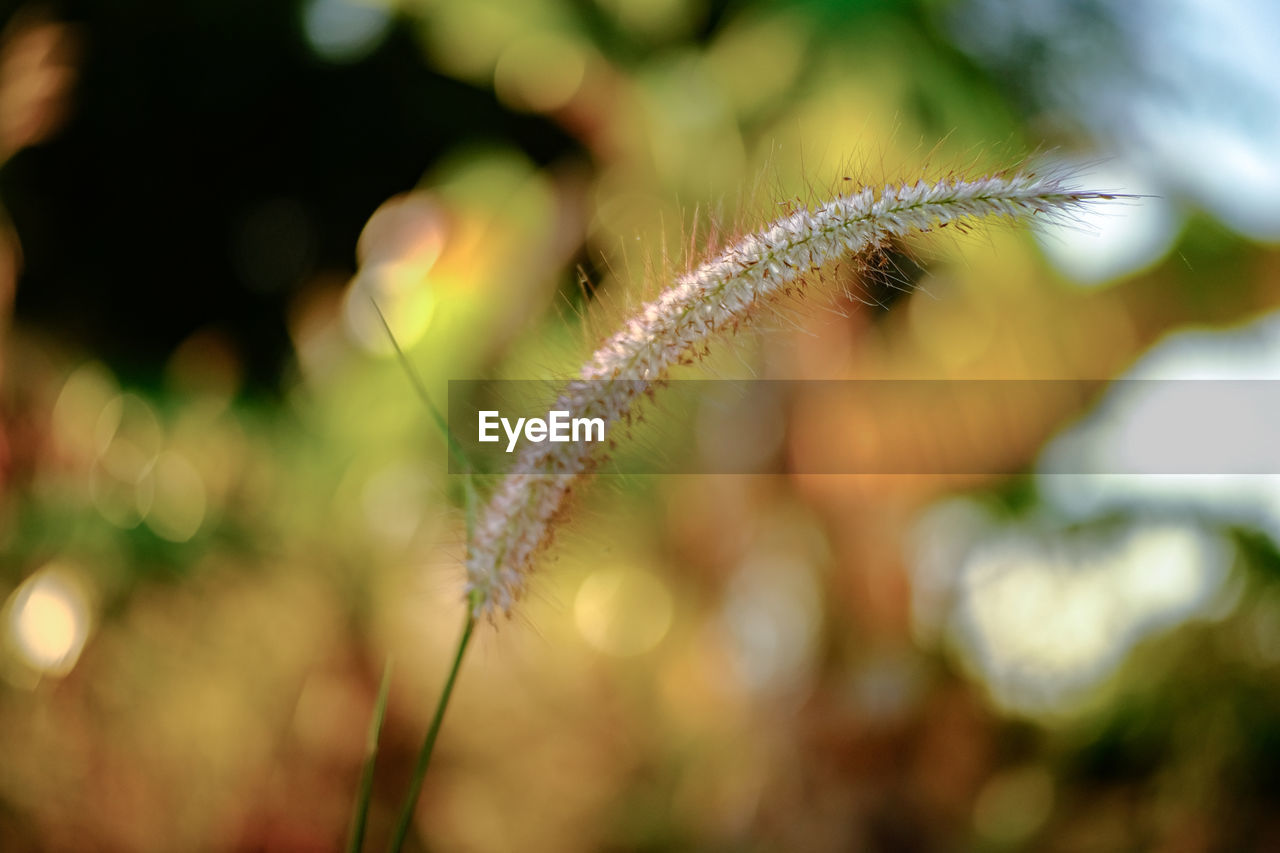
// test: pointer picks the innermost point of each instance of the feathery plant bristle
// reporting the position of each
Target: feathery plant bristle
(724, 293)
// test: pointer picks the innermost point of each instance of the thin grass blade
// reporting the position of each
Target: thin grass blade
(364, 793)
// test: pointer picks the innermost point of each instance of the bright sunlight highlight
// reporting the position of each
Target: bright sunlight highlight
(48, 621)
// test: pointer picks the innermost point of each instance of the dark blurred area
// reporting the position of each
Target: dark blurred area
(207, 138)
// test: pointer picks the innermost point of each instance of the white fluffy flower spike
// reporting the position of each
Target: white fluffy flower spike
(722, 293)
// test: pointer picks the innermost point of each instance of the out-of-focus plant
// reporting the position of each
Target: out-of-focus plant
(37, 67)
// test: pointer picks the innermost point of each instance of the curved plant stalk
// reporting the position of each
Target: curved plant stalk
(724, 293)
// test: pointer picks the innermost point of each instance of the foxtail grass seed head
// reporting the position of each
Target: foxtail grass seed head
(722, 294)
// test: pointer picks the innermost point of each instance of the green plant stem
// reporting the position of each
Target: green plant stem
(424, 756)
(455, 447)
(364, 793)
